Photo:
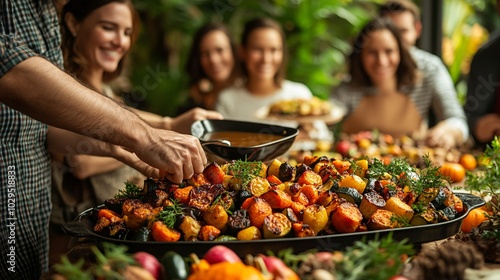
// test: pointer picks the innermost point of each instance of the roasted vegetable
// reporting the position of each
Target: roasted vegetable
(350, 194)
(198, 180)
(310, 177)
(277, 199)
(370, 203)
(208, 233)
(258, 211)
(326, 197)
(342, 166)
(301, 168)
(381, 219)
(353, 181)
(312, 160)
(202, 197)
(226, 200)
(276, 225)
(182, 194)
(216, 216)
(286, 172)
(141, 235)
(274, 168)
(316, 217)
(302, 230)
(398, 207)
(214, 173)
(346, 218)
(428, 216)
(190, 227)
(258, 186)
(290, 214)
(250, 233)
(238, 221)
(162, 233)
(136, 214)
(311, 192)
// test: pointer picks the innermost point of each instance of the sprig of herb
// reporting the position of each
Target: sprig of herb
(375, 259)
(170, 213)
(290, 259)
(395, 168)
(489, 180)
(72, 270)
(245, 170)
(109, 264)
(112, 262)
(488, 183)
(429, 177)
(131, 190)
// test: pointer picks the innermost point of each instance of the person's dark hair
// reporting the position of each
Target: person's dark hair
(74, 62)
(257, 23)
(399, 6)
(406, 74)
(193, 65)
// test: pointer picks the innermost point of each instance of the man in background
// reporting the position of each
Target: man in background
(405, 15)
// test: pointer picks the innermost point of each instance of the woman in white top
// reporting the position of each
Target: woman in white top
(263, 63)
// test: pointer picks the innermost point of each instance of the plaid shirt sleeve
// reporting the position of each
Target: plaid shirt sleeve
(23, 35)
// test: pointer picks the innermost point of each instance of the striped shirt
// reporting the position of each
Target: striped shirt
(435, 91)
(27, 28)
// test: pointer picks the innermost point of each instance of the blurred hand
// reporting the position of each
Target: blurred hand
(182, 123)
(444, 135)
(487, 127)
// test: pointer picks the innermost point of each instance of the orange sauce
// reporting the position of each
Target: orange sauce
(242, 139)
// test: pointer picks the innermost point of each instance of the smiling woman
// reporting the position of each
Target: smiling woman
(389, 93)
(97, 34)
(263, 64)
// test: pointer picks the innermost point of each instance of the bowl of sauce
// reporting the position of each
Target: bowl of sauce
(233, 140)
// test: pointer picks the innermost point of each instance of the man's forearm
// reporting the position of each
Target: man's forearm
(42, 91)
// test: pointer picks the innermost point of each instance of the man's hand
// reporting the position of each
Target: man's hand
(178, 155)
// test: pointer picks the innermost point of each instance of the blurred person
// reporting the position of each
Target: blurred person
(35, 94)
(482, 105)
(386, 90)
(406, 17)
(211, 66)
(263, 63)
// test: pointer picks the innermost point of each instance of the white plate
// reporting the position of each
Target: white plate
(335, 115)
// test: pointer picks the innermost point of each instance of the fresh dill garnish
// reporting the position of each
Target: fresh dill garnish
(245, 171)
(429, 177)
(397, 167)
(170, 213)
(131, 190)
